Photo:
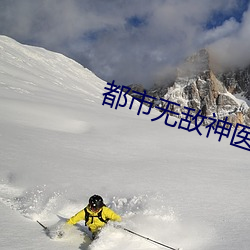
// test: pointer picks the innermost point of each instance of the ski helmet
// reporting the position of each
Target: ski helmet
(95, 202)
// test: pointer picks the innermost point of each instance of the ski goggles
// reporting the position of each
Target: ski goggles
(94, 208)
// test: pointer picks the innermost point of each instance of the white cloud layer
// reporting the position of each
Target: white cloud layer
(233, 50)
(134, 41)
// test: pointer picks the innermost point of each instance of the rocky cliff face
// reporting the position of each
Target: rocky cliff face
(197, 86)
(237, 81)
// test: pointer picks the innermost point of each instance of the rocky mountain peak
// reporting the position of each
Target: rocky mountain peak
(197, 86)
(194, 65)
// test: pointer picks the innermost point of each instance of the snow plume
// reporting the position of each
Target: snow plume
(35, 203)
(129, 41)
(147, 215)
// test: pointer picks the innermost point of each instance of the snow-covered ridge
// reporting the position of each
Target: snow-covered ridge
(33, 74)
(22, 67)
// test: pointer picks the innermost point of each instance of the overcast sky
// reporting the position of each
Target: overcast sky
(131, 41)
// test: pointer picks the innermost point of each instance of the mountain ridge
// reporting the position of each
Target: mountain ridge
(200, 86)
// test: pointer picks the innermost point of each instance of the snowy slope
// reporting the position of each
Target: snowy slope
(59, 145)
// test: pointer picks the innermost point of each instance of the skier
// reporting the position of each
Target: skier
(95, 214)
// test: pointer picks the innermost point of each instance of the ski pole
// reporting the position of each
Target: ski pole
(146, 238)
(45, 228)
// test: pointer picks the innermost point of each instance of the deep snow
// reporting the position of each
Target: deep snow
(59, 145)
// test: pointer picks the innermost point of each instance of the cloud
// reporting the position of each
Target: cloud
(232, 50)
(129, 41)
(228, 28)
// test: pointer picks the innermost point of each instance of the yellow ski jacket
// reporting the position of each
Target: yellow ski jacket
(94, 223)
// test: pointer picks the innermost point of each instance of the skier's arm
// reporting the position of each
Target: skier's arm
(77, 217)
(110, 214)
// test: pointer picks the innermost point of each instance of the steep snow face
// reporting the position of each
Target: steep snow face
(37, 69)
(30, 74)
(59, 145)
